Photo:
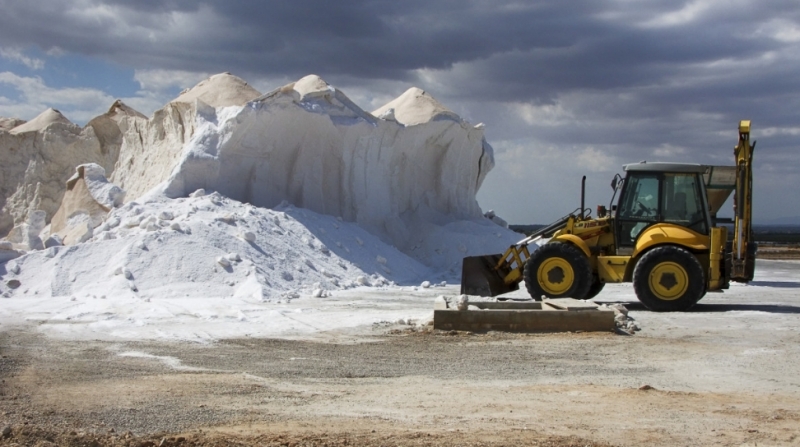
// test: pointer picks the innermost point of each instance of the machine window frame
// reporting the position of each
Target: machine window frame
(627, 223)
(693, 217)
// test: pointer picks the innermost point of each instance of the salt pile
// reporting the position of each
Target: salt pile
(221, 90)
(41, 122)
(170, 248)
(39, 157)
(307, 143)
(206, 267)
(229, 198)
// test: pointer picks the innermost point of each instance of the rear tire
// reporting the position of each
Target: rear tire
(557, 270)
(752, 248)
(669, 279)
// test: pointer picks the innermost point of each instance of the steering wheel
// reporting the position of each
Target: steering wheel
(644, 210)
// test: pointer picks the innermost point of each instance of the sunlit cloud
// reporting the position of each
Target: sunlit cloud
(16, 55)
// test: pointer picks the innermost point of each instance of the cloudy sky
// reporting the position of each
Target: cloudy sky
(565, 89)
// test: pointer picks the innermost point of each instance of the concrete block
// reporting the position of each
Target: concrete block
(525, 317)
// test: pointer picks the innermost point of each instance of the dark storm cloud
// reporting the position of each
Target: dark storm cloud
(521, 50)
(631, 79)
(358, 38)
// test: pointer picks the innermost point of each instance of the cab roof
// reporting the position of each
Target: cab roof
(666, 167)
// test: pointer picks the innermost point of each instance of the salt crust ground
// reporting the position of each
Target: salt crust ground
(720, 374)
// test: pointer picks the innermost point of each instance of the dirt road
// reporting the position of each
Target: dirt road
(723, 374)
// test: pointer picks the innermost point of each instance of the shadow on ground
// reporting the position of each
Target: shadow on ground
(720, 307)
(777, 284)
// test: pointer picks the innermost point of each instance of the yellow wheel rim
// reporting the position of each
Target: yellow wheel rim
(669, 281)
(555, 276)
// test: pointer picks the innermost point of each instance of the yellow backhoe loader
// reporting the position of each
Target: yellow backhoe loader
(662, 234)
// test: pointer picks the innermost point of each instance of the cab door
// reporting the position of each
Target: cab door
(638, 208)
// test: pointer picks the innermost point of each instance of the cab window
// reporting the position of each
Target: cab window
(638, 208)
(682, 203)
(641, 199)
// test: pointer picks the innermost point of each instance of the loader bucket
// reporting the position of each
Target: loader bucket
(479, 277)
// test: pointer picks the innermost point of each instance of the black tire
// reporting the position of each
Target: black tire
(595, 288)
(752, 248)
(669, 279)
(557, 270)
(728, 265)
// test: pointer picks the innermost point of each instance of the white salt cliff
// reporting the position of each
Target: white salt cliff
(308, 144)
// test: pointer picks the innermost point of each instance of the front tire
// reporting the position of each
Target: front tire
(669, 279)
(595, 288)
(557, 270)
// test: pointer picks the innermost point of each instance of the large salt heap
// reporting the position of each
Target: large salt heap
(308, 144)
(235, 204)
(407, 173)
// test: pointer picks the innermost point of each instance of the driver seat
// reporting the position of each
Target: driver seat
(678, 210)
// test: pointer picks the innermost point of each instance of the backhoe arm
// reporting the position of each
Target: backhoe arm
(744, 248)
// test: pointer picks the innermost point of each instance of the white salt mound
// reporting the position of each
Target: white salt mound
(414, 107)
(119, 109)
(220, 90)
(41, 122)
(235, 199)
(210, 257)
(308, 144)
(311, 86)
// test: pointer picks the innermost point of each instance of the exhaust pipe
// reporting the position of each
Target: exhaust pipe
(583, 196)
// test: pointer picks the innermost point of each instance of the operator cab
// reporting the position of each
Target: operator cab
(661, 193)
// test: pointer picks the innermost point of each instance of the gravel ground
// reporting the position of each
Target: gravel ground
(722, 374)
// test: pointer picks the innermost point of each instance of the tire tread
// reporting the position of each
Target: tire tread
(641, 273)
(576, 258)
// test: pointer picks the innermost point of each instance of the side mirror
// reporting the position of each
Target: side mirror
(614, 183)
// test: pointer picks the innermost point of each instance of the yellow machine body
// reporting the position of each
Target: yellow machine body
(678, 253)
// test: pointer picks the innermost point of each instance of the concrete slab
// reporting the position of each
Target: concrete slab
(525, 317)
(570, 304)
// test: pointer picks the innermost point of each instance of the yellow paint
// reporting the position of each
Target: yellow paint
(574, 240)
(744, 126)
(513, 277)
(666, 233)
(512, 263)
(612, 268)
(719, 235)
(668, 281)
(741, 265)
(555, 275)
